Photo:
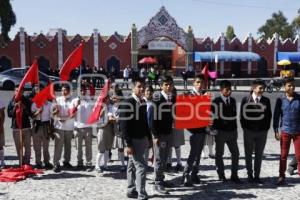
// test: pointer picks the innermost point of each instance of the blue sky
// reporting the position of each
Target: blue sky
(207, 17)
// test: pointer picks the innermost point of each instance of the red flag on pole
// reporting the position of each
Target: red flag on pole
(74, 60)
(32, 76)
(205, 72)
(192, 111)
(98, 105)
(46, 94)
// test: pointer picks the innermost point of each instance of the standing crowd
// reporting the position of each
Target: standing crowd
(141, 127)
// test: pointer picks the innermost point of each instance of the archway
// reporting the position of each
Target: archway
(5, 63)
(44, 65)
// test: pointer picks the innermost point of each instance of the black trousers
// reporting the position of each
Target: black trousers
(230, 139)
(196, 142)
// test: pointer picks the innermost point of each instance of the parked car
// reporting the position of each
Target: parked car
(13, 77)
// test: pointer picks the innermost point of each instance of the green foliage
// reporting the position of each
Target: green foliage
(276, 24)
(230, 33)
(7, 19)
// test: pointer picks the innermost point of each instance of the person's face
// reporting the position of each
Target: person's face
(138, 89)
(16, 91)
(148, 93)
(198, 84)
(258, 90)
(289, 87)
(83, 92)
(65, 91)
(167, 87)
(226, 92)
(36, 89)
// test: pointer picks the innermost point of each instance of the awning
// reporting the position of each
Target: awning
(294, 57)
(229, 56)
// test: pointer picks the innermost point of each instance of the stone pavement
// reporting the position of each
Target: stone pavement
(112, 184)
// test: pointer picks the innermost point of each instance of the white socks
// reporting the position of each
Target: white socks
(2, 158)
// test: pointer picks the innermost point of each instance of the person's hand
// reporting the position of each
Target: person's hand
(129, 150)
(277, 136)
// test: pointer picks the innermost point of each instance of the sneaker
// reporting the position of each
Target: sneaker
(160, 189)
(132, 195)
(67, 165)
(167, 184)
(48, 166)
(56, 168)
(281, 181)
(80, 167)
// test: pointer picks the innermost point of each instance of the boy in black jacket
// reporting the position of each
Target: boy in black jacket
(134, 126)
(162, 130)
(225, 127)
(255, 119)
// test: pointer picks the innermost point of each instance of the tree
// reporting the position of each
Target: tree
(296, 23)
(230, 33)
(7, 19)
(277, 24)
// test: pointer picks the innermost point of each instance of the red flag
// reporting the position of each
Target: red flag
(192, 111)
(205, 72)
(46, 94)
(74, 60)
(32, 76)
(98, 105)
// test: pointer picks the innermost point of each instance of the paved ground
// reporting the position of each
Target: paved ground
(112, 184)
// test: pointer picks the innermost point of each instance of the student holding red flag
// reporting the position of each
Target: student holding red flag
(197, 139)
(20, 113)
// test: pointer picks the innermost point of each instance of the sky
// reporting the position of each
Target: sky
(207, 17)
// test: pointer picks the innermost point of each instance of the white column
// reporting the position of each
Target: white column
(96, 49)
(275, 52)
(249, 49)
(22, 47)
(298, 42)
(222, 49)
(60, 48)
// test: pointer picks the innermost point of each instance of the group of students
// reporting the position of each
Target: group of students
(145, 119)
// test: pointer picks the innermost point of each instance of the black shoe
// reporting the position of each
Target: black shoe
(169, 167)
(195, 179)
(281, 181)
(56, 168)
(186, 181)
(80, 167)
(132, 195)
(222, 178)
(167, 184)
(67, 165)
(258, 180)
(236, 180)
(48, 166)
(250, 179)
(179, 167)
(39, 166)
(160, 189)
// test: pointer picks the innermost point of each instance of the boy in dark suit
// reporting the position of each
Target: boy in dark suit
(225, 127)
(134, 125)
(255, 119)
(162, 130)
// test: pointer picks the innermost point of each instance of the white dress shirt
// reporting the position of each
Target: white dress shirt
(62, 120)
(84, 110)
(45, 115)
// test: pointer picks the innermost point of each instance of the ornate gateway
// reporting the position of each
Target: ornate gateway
(162, 25)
